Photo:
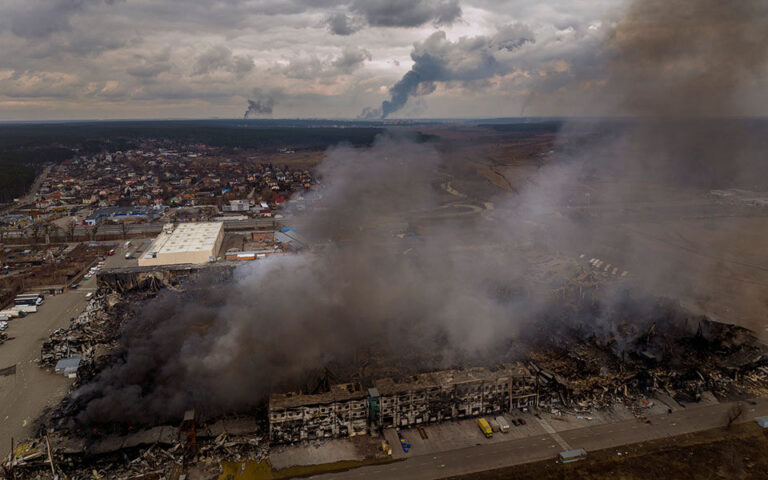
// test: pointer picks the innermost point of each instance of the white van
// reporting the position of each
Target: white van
(503, 424)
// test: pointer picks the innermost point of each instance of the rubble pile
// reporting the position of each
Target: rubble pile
(595, 358)
(679, 358)
(158, 452)
(90, 335)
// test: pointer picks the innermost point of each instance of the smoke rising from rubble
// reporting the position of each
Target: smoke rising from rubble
(680, 71)
(224, 347)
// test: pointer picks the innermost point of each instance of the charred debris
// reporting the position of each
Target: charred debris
(625, 356)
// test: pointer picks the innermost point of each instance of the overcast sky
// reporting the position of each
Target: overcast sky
(64, 59)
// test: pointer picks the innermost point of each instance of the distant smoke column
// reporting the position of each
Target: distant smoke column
(464, 61)
(400, 92)
(262, 105)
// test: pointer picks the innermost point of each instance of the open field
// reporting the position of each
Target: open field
(738, 452)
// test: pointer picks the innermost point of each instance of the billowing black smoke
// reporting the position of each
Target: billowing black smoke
(369, 282)
(469, 59)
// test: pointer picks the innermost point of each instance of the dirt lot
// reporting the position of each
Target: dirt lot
(738, 453)
(58, 272)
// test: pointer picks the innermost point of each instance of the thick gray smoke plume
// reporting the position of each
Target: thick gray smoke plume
(225, 346)
(682, 73)
(469, 59)
(261, 104)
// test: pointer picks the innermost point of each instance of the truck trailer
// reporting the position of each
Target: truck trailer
(28, 299)
(25, 308)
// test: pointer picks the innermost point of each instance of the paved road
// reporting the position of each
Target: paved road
(542, 447)
(25, 395)
(155, 228)
(30, 196)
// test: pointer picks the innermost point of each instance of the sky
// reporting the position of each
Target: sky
(104, 59)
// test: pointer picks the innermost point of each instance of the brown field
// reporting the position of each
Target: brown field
(738, 453)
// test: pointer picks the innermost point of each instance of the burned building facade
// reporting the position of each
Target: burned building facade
(347, 410)
(341, 412)
(451, 394)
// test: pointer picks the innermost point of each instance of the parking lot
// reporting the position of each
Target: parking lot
(25, 393)
(136, 248)
(460, 434)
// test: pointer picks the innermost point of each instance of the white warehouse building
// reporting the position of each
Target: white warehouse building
(185, 243)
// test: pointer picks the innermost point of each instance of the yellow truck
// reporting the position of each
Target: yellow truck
(485, 427)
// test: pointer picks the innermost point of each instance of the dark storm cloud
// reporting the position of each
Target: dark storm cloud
(148, 70)
(407, 13)
(42, 18)
(150, 66)
(220, 58)
(351, 59)
(314, 68)
(343, 24)
(393, 13)
(512, 37)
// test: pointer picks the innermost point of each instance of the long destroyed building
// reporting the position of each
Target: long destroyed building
(349, 410)
(677, 362)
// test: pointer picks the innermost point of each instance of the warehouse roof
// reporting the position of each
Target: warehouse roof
(187, 237)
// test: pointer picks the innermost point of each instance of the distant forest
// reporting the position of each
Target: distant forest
(19, 167)
(93, 137)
